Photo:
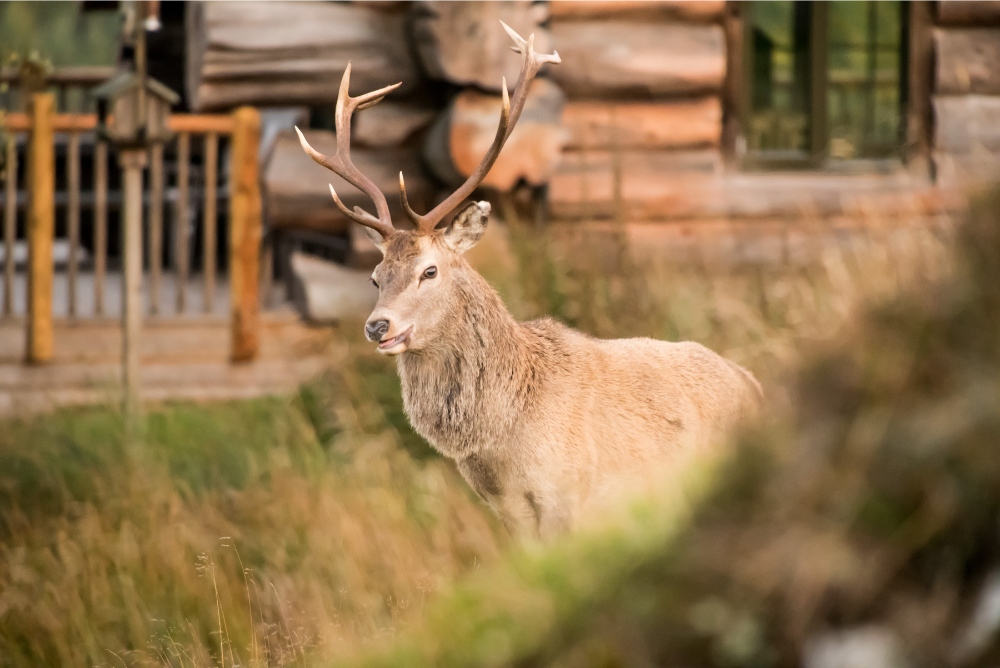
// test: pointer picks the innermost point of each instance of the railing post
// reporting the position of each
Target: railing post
(132, 162)
(245, 229)
(41, 226)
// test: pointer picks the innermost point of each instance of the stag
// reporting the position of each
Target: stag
(546, 424)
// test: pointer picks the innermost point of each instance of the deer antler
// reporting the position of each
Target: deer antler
(341, 165)
(511, 111)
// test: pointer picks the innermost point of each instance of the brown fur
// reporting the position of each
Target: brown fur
(545, 423)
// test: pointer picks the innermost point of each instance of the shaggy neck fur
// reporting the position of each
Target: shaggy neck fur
(463, 393)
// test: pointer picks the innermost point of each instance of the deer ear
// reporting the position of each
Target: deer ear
(376, 238)
(372, 233)
(467, 227)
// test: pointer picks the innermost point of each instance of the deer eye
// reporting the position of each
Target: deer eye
(430, 272)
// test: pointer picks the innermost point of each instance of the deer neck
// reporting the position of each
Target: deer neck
(464, 393)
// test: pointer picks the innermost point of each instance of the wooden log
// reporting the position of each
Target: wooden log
(968, 61)
(670, 10)
(968, 12)
(245, 231)
(325, 292)
(677, 124)
(643, 184)
(614, 57)
(297, 192)
(470, 125)
(965, 172)
(966, 124)
(672, 185)
(462, 42)
(389, 124)
(289, 53)
(41, 226)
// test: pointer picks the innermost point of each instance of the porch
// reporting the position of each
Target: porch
(215, 325)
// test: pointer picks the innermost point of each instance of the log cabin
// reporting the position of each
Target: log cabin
(661, 111)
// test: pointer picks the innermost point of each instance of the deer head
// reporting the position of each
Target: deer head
(422, 270)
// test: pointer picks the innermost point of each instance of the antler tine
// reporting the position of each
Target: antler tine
(361, 216)
(531, 62)
(341, 165)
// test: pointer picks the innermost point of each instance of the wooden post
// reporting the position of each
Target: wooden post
(10, 226)
(209, 248)
(245, 229)
(132, 162)
(41, 226)
(100, 224)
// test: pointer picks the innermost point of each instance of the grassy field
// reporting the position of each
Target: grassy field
(295, 530)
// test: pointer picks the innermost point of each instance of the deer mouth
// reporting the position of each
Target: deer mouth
(389, 345)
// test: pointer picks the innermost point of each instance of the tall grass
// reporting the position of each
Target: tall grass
(255, 533)
(284, 531)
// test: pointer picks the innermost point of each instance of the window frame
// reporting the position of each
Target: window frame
(915, 68)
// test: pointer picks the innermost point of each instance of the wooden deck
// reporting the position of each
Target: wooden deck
(182, 358)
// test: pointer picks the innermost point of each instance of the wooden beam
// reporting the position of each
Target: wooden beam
(245, 229)
(919, 81)
(735, 86)
(648, 125)
(967, 61)
(219, 123)
(968, 12)
(660, 58)
(41, 226)
(658, 10)
(197, 123)
(965, 124)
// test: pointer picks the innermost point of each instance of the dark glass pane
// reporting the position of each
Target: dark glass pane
(863, 90)
(779, 71)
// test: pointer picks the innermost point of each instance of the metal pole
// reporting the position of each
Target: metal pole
(132, 162)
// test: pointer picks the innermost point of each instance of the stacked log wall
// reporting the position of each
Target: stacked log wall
(630, 124)
(966, 92)
(644, 112)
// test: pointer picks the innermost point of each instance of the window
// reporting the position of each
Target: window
(825, 83)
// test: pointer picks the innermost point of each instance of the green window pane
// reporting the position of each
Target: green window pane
(779, 87)
(863, 79)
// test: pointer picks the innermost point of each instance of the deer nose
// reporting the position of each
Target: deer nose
(376, 329)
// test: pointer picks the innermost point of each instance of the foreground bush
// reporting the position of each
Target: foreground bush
(866, 520)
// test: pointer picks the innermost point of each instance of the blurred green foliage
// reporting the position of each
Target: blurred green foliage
(59, 31)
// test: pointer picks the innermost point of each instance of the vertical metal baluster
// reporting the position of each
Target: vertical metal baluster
(10, 227)
(155, 226)
(182, 220)
(100, 223)
(211, 192)
(73, 218)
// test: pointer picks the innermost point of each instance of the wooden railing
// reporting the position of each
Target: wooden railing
(41, 129)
